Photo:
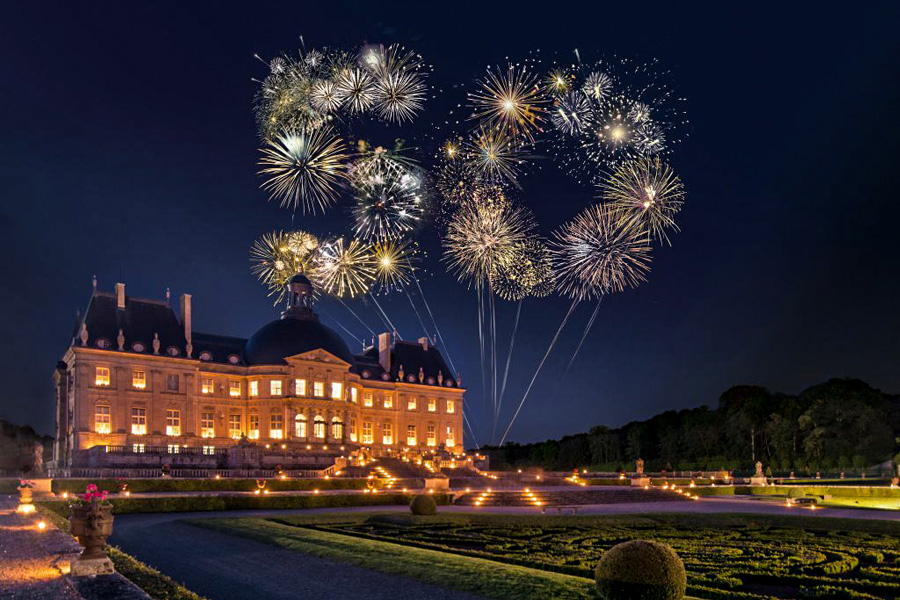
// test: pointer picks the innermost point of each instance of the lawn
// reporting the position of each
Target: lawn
(727, 556)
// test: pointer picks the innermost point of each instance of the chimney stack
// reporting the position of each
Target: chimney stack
(120, 296)
(384, 351)
(186, 316)
(424, 342)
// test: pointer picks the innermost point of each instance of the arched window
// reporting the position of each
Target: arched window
(300, 426)
(319, 427)
(337, 429)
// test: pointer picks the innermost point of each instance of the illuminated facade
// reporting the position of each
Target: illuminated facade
(137, 379)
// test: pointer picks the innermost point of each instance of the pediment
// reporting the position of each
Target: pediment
(318, 356)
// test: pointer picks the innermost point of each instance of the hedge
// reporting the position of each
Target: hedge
(210, 503)
(165, 484)
(842, 491)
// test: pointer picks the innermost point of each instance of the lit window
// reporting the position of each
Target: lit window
(137, 448)
(139, 421)
(451, 441)
(431, 438)
(337, 429)
(209, 450)
(253, 428)
(173, 449)
(234, 389)
(207, 426)
(367, 400)
(300, 387)
(411, 403)
(388, 401)
(353, 392)
(139, 379)
(173, 422)
(254, 388)
(319, 427)
(101, 376)
(319, 389)
(410, 435)
(367, 432)
(432, 405)
(352, 430)
(300, 426)
(102, 422)
(206, 386)
(234, 426)
(276, 426)
(337, 390)
(387, 433)
(275, 387)
(451, 407)
(172, 383)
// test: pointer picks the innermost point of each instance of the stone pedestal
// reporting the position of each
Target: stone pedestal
(90, 567)
(438, 484)
(758, 480)
(640, 481)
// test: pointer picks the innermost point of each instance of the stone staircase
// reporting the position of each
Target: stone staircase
(538, 497)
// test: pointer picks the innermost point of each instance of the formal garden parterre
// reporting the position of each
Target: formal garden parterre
(731, 556)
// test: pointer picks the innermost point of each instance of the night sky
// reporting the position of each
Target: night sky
(129, 151)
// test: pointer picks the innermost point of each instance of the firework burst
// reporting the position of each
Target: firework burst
(344, 269)
(388, 204)
(646, 190)
(511, 102)
(614, 134)
(483, 235)
(283, 101)
(571, 113)
(597, 85)
(357, 88)
(526, 271)
(279, 255)
(393, 261)
(494, 156)
(598, 253)
(324, 96)
(304, 169)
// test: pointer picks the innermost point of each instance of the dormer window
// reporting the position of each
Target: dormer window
(205, 356)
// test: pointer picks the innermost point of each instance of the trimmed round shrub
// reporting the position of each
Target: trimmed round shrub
(423, 505)
(641, 570)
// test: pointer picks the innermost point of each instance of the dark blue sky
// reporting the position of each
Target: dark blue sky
(129, 152)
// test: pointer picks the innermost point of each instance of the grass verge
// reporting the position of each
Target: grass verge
(157, 585)
(478, 576)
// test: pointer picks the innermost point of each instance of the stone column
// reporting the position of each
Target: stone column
(191, 415)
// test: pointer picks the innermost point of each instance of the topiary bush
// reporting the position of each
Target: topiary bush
(641, 570)
(423, 505)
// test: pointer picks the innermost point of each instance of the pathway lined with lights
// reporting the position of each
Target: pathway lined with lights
(29, 556)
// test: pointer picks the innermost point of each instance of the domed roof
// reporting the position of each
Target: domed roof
(288, 337)
(300, 278)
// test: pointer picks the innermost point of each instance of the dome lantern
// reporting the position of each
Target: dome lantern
(299, 299)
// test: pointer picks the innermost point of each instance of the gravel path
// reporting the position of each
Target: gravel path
(220, 566)
(28, 557)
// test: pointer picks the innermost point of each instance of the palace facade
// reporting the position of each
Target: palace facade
(137, 383)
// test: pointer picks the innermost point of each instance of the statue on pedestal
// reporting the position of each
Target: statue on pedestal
(639, 466)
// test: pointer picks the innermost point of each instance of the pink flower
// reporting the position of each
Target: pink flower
(91, 487)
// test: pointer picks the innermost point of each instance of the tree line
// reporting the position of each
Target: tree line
(839, 424)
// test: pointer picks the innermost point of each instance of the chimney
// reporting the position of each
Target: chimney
(384, 351)
(120, 296)
(186, 316)
(424, 343)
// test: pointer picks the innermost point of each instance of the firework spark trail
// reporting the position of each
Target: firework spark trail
(355, 315)
(416, 310)
(538, 370)
(584, 335)
(384, 315)
(481, 341)
(493, 361)
(339, 324)
(434, 322)
(472, 431)
(512, 342)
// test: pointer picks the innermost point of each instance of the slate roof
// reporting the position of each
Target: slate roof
(139, 321)
(411, 356)
(142, 318)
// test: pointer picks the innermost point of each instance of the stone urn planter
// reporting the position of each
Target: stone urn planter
(26, 497)
(91, 522)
